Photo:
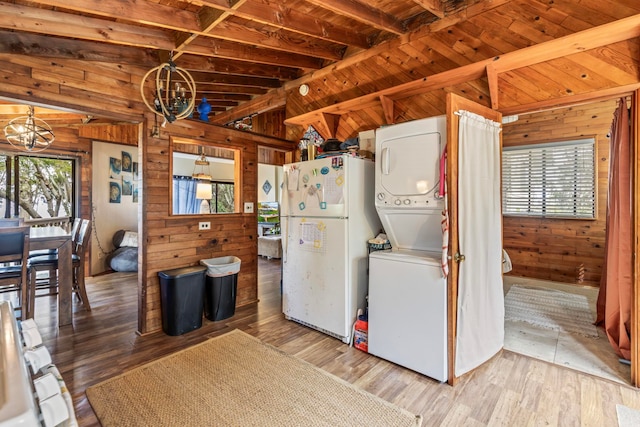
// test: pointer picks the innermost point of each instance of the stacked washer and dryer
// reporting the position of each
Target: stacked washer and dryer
(407, 289)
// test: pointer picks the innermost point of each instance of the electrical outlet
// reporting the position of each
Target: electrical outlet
(204, 226)
(248, 207)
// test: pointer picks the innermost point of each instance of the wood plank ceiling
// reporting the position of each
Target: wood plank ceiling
(235, 49)
(250, 56)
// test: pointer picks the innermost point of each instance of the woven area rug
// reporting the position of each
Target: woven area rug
(237, 380)
(550, 309)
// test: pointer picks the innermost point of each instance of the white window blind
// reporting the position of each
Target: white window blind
(550, 180)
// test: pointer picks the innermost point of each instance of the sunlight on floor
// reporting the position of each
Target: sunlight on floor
(589, 355)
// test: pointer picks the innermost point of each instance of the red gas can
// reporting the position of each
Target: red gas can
(360, 336)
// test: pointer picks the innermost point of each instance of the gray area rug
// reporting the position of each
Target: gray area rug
(550, 309)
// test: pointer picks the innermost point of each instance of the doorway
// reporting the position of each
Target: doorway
(268, 227)
(560, 253)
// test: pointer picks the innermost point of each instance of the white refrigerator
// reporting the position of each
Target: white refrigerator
(327, 217)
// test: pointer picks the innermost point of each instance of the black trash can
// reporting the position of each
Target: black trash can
(181, 299)
(221, 287)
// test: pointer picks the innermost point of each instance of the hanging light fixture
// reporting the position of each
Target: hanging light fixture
(174, 94)
(201, 169)
(204, 190)
(29, 133)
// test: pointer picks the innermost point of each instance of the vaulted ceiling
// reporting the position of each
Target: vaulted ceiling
(235, 49)
(250, 56)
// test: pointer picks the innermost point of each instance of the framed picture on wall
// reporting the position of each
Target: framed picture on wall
(127, 187)
(114, 192)
(127, 163)
(115, 167)
(135, 193)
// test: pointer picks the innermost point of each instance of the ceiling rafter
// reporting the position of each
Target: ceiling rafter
(363, 13)
(433, 6)
(278, 15)
(622, 29)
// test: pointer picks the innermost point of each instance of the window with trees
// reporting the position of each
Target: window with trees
(550, 179)
(37, 187)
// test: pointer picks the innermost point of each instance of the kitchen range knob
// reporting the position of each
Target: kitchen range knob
(397, 201)
(407, 201)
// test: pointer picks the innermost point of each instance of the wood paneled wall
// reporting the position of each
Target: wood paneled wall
(570, 251)
(109, 91)
(175, 241)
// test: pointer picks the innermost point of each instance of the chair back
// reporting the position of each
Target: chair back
(83, 237)
(11, 222)
(15, 244)
(75, 228)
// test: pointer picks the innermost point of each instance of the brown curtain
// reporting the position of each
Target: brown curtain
(614, 298)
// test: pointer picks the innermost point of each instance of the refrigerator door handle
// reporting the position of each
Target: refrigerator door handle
(284, 205)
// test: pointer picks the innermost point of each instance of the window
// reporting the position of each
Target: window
(43, 186)
(550, 179)
(223, 193)
(186, 202)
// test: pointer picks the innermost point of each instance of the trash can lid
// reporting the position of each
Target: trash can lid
(181, 272)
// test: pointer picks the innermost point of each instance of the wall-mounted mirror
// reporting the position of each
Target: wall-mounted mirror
(205, 178)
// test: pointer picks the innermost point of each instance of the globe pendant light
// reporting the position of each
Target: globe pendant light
(174, 92)
(29, 133)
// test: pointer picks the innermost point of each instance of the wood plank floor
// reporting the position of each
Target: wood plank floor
(510, 390)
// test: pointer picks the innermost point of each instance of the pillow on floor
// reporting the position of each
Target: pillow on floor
(124, 259)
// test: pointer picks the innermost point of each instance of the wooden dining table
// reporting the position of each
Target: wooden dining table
(54, 237)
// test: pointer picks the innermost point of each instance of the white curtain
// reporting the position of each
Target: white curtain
(480, 324)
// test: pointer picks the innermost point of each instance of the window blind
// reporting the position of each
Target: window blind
(550, 179)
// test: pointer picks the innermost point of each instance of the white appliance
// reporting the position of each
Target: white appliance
(33, 394)
(327, 217)
(408, 311)
(407, 290)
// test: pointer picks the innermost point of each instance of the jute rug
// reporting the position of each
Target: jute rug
(237, 380)
(550, 309)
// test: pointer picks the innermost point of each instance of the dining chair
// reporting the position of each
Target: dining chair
(51, 280)
(74, 234)
(14, 266)
(50, 262)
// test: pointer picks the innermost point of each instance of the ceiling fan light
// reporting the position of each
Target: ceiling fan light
(29, 133)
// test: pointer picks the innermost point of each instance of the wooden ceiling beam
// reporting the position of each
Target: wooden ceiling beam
(492, 77)
(188, 24)
(278, 15)
(433, 6)
(208, 46)
(330, 123)
(208, 18)
(234, 97)
(201, 77)
(46, 47)
(363, 13)
(592, 38)
(268, 39)
(272, 100)
(570, 100)
(208, 64)
(388, 107)
(204, 88)
(140, 12)
(48, 22)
